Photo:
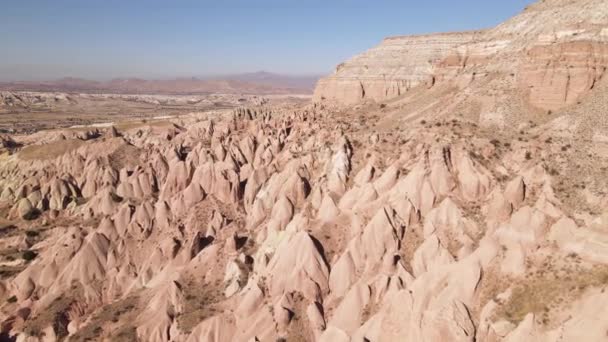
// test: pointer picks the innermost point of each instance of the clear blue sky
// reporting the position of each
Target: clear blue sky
(98, 39)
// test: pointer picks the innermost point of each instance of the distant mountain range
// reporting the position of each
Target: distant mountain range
(262, 83)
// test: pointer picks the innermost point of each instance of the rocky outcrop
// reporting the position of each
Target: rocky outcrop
(552, 51)
(396, 66)
(269, 227)
(308, 224)
(559, 73)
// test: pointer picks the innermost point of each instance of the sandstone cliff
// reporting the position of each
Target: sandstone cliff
(292, 222)
(391, 69)
(550, 56)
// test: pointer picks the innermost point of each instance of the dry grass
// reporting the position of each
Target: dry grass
(5, 227)
(120, 312)
(51, 150)
(6, 272)
(125, 155)
(492, 284)
(132, 124)
(201, 302)
(412, 240)
(298, 329)
(547, 290)
(87, 111)
(54, 314)
(333, 237)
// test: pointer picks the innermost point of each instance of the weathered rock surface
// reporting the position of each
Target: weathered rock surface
(305, 223)
(550, 56)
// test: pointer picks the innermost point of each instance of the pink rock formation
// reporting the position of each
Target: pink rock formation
(405, 222)
(555, 60)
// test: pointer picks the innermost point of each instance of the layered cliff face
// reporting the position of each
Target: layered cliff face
(390, 69)
(556, 51)
(303, 222)
(559, 74)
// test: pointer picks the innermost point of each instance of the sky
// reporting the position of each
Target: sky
(103, 39)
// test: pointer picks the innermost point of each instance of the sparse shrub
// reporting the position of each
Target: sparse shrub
(32, 233)
(528, 155)
(29, 255)
(12, 299)
(423, 122)
(542, 291)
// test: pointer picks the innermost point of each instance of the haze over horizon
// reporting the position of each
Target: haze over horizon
(175, 176)
(111, 39)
